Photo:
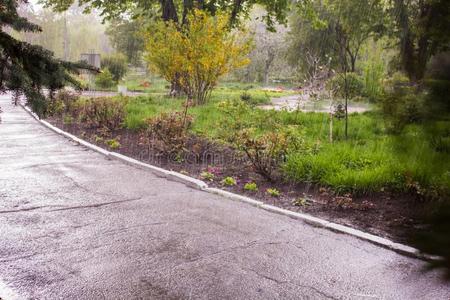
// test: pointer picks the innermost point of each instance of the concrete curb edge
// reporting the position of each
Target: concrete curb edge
(198, 184)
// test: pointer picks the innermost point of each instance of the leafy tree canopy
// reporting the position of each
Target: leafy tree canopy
(177, 10)
(422, 30)
(126, 37)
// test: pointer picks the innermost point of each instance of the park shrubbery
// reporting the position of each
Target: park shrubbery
(292, 145)
(105, 80)
(104, 113)
(168, 131)
(116, 64)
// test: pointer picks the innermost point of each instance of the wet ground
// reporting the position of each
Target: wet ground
(304, 102)
(75, 225)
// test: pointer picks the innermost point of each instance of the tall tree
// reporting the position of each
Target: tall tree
(349, 23)
(267, 54)
(28, 69)
(310, 48)
(126, 38)
(423, 30)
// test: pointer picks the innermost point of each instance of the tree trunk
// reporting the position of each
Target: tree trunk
(266, 76)
(346, 117)
(353, 63)
(188, 5)
(175, 89)
(237, 6)
(269, 61)
(169, 11)
(406, 39)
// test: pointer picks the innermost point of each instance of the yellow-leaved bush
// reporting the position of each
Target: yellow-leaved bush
(194, 56)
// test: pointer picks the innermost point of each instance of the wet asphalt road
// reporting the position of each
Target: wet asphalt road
(75, 225)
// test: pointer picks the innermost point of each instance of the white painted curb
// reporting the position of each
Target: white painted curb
(235, 197)
(7, 293)
(198, 184)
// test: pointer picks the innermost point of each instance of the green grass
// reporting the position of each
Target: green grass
(144, 107)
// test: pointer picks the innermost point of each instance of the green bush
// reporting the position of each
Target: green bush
(229, 181)
(113, 144)
(105, 79)
(246, 97)
(116, 65)
(54, 107)
(401, 104)
(68, 100)
(267, 151)
(251, 187)
(273, 192)
(207, 176)
(67, 120)
(350, 84)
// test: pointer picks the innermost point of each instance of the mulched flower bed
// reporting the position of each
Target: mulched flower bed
(392, 216)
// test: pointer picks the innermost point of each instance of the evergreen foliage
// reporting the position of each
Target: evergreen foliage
(29, 69)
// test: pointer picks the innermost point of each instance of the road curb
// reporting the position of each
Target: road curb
(7, 293)
(235, 197)
(198, 184)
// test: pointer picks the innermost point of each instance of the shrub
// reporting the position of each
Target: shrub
(373, 79)
(195, 57)
(98, 139)
(105, 79)
(251, 187)
(116, 65)
(67, 120)
(267, 151)
(351, 84)
(68, 99)
(113, 144)
(229, 181)
(235, 116)
(207, 176)
(246, 97)
(169, 131)
(273, 192)
(63, 102)
(300, 202)
(105, 113)
(401, 104)
(54, 107)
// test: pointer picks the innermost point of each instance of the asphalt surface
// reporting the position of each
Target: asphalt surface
(75, 225)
